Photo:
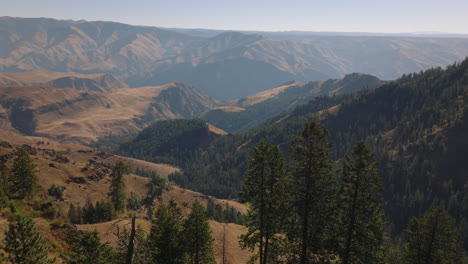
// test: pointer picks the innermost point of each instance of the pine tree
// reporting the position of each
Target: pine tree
(360, 201)
(141, 247)
(89, 213)
(134, 202)
(88, 248)
(79, 215)
(312, 182)
(166, 234)
(23, 179)
(24, 244)
(433, 239)
(117, 188)
(73, 215)
(197, 236)
(265, 188)
(4, 185)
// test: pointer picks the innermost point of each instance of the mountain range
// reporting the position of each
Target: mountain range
(227, 66)
(85, 107)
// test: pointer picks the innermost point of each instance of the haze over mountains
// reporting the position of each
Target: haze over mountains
(227, 66)
(98, 82)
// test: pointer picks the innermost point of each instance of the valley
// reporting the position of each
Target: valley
(138, 144)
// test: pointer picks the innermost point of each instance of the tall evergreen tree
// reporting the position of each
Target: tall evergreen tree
(265, 188)
(141, 248)
(433, 239)
(117, 188)
(24, 244)
(360, 201)
(73, 215)
(4, 185)
(197, 236)
(88, 248)
(312, 181)
(166, 234)
(23, 179)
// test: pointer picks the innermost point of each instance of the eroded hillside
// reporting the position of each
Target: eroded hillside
(82, 116)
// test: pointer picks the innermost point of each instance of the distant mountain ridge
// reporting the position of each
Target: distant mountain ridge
(227, 65)
(86, 82)
(247, 112)
(83, 116)
(99, 105)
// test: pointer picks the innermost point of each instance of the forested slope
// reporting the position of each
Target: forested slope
(417, 125)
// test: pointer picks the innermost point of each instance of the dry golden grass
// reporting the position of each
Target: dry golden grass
(40, 77)
(58, 173)
(217, 130)
(77, 116)
(229, 108)
(262, 96)
(96, 82)
(108, 232)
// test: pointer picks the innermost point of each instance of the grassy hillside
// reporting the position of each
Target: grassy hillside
(83, 173)
(81, 116)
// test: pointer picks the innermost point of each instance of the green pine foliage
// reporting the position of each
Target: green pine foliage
(313, 179)
(101, 211)
(197, 239)
(433, 239)
(170, 141)
(265, 188)
(141, 251)
(4, 185)
(56, 191)
(224, 214)
(360, 205)
(22, 177)
(88, 248)
(166, 234)
(24, 244)
(117, 188)
(134, 202)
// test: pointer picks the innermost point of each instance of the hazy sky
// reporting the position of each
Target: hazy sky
(386, 16)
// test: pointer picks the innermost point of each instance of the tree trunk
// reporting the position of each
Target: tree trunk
(131, 244)
(352, 216)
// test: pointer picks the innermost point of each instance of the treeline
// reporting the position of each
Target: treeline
(169, 141)
(172, 239)
(309, 211)
(224, 214)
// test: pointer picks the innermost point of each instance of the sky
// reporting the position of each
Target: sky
(377, 16)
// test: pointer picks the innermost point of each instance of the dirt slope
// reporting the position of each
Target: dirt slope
(85, 175)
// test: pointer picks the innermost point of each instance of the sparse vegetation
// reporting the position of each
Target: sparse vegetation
(56, 191)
